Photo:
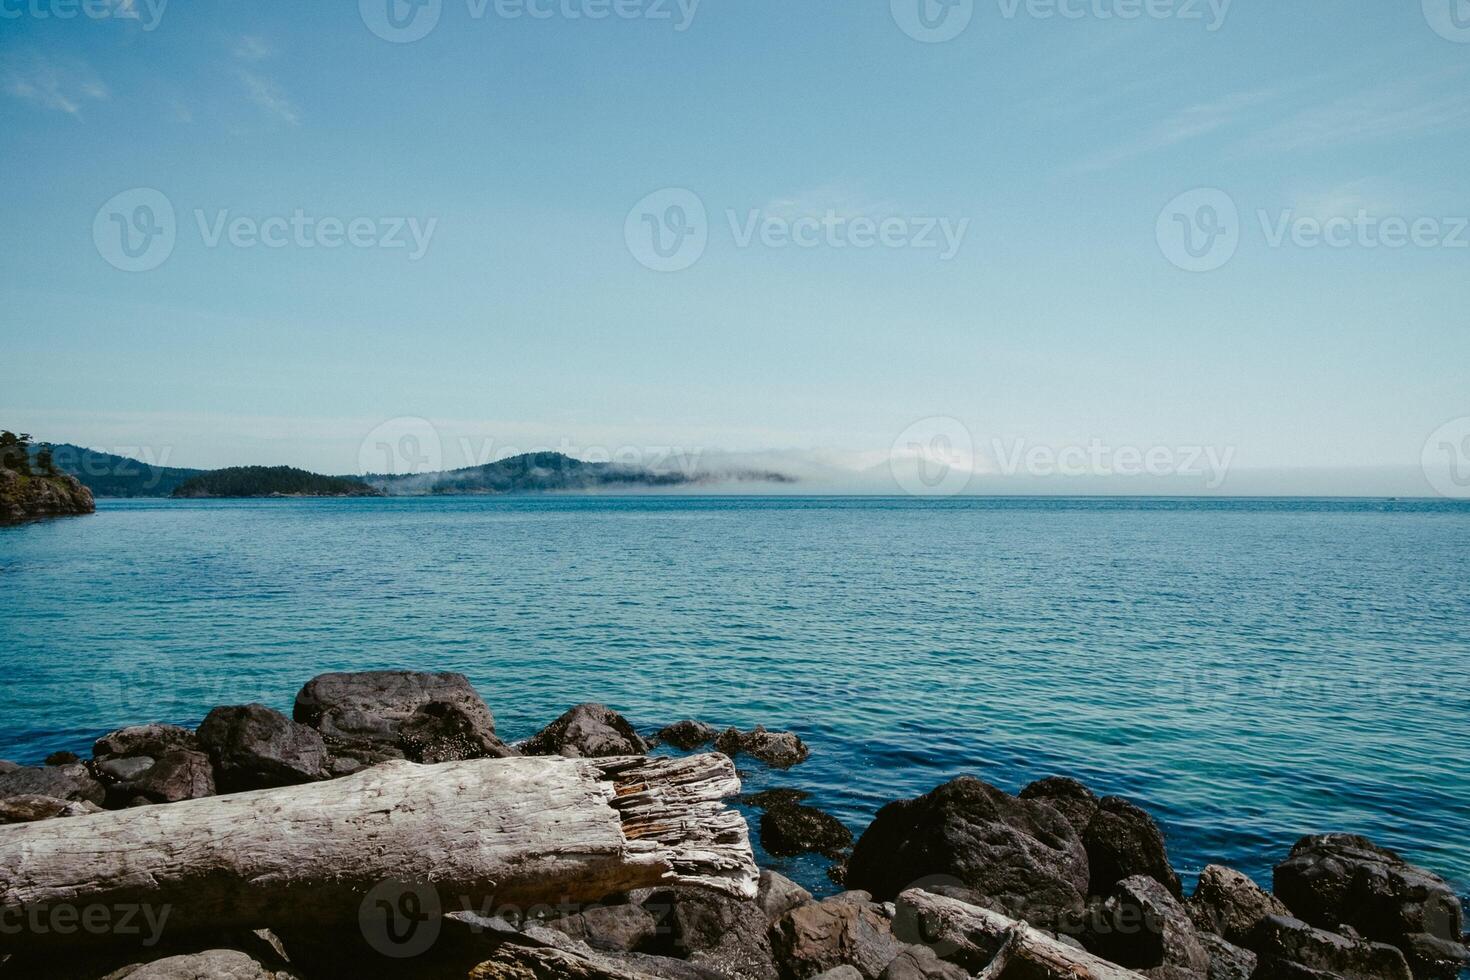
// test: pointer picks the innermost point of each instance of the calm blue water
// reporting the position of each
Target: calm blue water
(1250, 671)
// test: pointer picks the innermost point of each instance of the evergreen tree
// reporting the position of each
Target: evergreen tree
(15, 452)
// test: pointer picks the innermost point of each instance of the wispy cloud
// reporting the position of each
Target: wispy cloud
(1185, 125)
(268, 94)
(253, 48)
(59, 87)
(1401, 109)
(844, 199)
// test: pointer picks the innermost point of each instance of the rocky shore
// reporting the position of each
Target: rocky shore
(965, 881)
(26, 497)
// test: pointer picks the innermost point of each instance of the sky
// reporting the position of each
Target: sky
(829, 233)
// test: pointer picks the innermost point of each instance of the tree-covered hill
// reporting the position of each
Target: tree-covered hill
(110, 475)
(271, 481)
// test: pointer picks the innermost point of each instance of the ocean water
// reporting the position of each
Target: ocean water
(1248, 671)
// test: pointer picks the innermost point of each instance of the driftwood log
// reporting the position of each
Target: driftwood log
(487, 833)
(1014, 950)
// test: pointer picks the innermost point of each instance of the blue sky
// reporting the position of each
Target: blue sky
(526, 313)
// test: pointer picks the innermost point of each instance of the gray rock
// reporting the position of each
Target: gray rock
(254, 747)
(588, 731)
(820, 936)
(622, 928)
(180, 774)
(362, 716)
(1287, 946)
(1072, 799)
(778, 895)
(1123, 841)
(213, 964)
(921, 963)
(1018, 856)
(7, 766)
(1229, 904)
(1339, 880)
(151, 740)
(798, 829)
(781, 750)
(1227, 961)
(124, 768)
(687, 734)
(29, 808)
(70, 782)
(1142, 926)
(843, 972)
(712, 931)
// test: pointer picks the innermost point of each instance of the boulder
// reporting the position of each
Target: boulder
(821, 936)
(62, 758)
(843, 972)
(1021, 857)
(768, 799)
(797, 829)
(1123, 841)
(781, 750)
(1228, 904)
(123, 768)
(713, 931)
(71, 782)
(180, 774)
(1072, 799)
(1342, 879)
(1141, 925)
(1287, 947)
(921, 963)
(778, 895)
(687, 734)
(362, 717)
(7, 766)
(151, 740)
(588, 731)
(609, 927)
(213, 964)
(1227, 961)
(29, 808)
(254, 747)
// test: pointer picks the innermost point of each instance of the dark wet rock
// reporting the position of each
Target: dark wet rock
(1021, 856)
(610, 927)
(362, 717)
(781, 750)
(1288, 946)
(1074, 801)
(62, 758)
(29, 808)
(778, 895)
(793, 829)
(921, 963)
(70, 782)
(177, 775)
(687, 734)
(768, 799)
(1227, 961)
(150, 740)
(1122, 840)
(837, 871)
(1338, 880)
(1229, 904)
(588, 731)
(254, 747)
(712, 931)
(821, 936)
(1141, 925)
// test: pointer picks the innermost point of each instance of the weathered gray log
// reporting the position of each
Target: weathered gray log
(1014, 949)
(487, 833)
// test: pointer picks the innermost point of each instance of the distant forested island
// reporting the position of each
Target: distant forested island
(110, 475)
(271, 481)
